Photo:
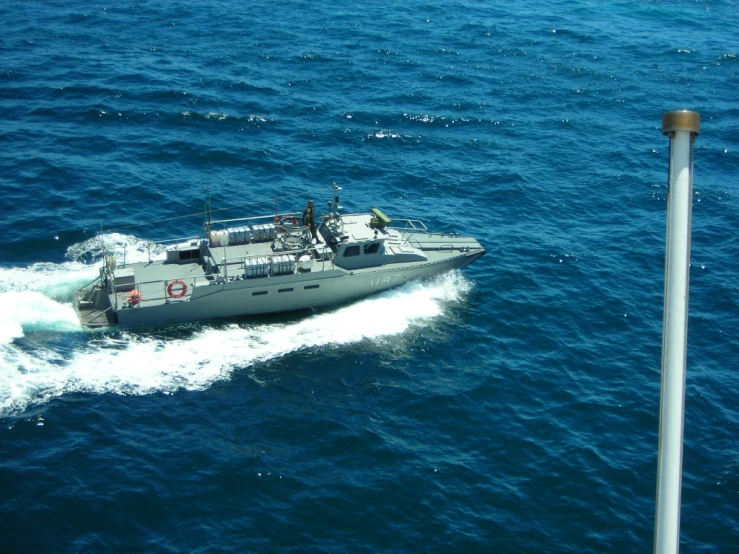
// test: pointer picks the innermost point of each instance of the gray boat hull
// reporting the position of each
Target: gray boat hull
(270, 268)
(284, 294)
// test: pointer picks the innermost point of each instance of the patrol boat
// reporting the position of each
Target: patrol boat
(270, 264)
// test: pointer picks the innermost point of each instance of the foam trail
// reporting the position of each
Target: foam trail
(38, 297)
(33, 298)
(141, 364)
(56, 281)
(125, 248)
(31, 310)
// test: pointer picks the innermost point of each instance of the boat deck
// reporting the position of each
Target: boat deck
(161, 282)
(152, 280)
(93, 318)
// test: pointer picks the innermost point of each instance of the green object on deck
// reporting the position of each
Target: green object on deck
(380, 220)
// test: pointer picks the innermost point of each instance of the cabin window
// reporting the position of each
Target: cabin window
(372, 248)
(285, 290)
(351, 251)
(311, 287)
(259, 293)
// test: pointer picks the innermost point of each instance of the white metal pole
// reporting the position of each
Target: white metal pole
(682, 127)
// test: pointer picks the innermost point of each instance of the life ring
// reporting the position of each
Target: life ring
(134, 297)
(291, 221)
(174, 294)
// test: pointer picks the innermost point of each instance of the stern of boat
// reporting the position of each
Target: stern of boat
(92, 305)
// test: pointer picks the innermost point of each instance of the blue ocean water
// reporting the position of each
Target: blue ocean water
(510, 407)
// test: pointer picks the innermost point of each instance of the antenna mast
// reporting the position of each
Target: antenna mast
(208, 216)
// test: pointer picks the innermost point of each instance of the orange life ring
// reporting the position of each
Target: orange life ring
(134, 297)
(291, 220)
(180, 294)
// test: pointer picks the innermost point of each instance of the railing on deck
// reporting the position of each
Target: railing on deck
(265, 218)
(163, 285)
(231, 269)
(409, 227)
(241, 265)
(192, 240)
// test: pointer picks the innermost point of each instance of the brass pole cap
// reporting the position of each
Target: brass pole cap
(681, 120)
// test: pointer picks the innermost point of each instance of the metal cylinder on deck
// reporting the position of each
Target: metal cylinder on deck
(682, 127)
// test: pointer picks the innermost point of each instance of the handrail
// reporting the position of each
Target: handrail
(96, 279)
(256, 217)
(410, 224)
(266, 218)
(192, 282)
(97, 315)
(410, 227)
(184, 239)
